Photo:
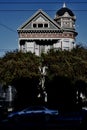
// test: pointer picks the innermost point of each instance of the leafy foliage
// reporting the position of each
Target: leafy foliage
(16, 65)
(21, 70)
(72, 64)
(66, 73)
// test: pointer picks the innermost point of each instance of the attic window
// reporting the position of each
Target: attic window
(34, 25)
(40, 25)
(46, 25)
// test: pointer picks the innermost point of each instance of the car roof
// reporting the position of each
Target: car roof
(34, 108)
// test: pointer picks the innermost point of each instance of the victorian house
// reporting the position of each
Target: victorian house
(41, 33)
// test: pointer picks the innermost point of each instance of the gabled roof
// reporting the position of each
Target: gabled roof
(39, 14)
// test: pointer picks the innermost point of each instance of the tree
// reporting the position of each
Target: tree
(61, 94)
(68, 64)
(21, 70)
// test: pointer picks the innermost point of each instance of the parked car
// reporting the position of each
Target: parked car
(33, 113)
(76, 120)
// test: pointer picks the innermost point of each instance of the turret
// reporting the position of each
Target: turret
(65, 18)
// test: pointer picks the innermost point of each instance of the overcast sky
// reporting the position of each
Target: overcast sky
(15, 13)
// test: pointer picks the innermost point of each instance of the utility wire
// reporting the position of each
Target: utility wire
(57, 2)
(28, 10)
(7, 27)
(21, 10)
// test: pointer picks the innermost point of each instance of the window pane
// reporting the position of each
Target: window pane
(40, 25)
(45, 25)
(34, 25)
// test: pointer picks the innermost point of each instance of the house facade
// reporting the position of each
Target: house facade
(40, 33)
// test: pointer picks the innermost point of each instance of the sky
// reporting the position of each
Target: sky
(14, 13)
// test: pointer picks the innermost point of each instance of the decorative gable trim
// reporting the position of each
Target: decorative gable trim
(38, 14)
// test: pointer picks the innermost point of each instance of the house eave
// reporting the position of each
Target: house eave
(39, 31)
